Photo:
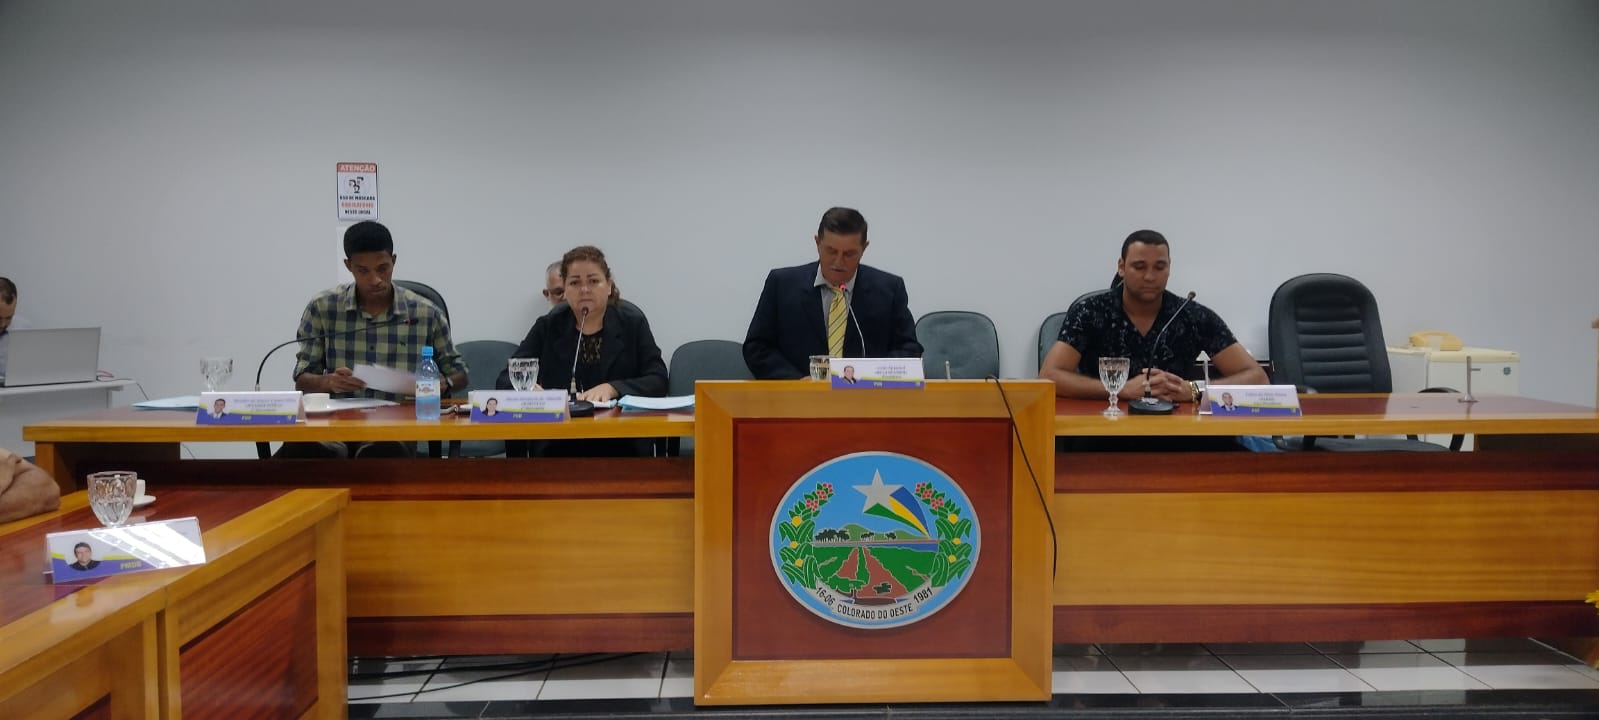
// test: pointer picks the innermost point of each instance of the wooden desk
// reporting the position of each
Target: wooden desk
(560, 555)
(597, 555)
(257, 630)
(1210, 547)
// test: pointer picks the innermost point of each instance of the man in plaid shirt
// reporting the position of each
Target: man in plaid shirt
(323, 363)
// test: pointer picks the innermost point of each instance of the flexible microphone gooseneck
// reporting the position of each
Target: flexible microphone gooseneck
(324, 336)
(576, 407)
(1149, 404)
(849, 305)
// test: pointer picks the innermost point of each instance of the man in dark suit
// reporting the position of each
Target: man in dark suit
(835, 306)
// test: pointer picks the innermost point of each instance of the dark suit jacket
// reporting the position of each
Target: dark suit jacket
(788, 327)
(629, 358)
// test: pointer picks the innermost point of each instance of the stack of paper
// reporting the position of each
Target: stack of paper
(635, 402)
(182, 402)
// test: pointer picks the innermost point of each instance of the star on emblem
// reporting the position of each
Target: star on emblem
(877, 493)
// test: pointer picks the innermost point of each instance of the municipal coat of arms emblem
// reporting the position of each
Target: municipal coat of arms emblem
(874, 540)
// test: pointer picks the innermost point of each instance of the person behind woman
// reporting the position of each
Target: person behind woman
(615, 351)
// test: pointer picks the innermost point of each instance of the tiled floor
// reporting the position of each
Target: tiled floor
(1458, 678)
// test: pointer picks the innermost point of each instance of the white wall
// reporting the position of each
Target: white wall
(166, 169)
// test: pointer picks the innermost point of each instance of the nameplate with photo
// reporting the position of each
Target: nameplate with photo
(875, 373)
(76, 555)
(517, 406)
(249, 408)
(1252, 400)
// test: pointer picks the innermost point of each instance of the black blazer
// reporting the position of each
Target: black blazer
(788, 327)
(629, 358)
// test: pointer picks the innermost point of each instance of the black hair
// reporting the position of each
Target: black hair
(842, 221)
(8, 291)
(367, 236)
(1147, 237)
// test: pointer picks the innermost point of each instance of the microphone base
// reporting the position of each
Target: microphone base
(580, 408)
(1151, 406)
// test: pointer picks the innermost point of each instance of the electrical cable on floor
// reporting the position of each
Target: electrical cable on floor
(532, 667)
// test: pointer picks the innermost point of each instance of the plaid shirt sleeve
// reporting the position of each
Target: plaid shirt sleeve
(314, 322)
(444, 353)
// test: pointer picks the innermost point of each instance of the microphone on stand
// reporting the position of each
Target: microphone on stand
(324, 336)
(576, 407)
(1149, 404)
(849, 305)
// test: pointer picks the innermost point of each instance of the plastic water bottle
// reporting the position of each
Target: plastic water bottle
(427, 387)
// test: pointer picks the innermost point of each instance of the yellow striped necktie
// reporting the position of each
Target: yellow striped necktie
(835, 324)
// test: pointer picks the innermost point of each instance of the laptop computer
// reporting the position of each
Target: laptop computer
(49, 356)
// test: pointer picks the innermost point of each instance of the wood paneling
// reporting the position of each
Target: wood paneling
(1353, 414)
(517, 634)
(1242, 472)
(424, 479)
(129, 425)
(519, 557)
(800, 682)
(1321, 548)
(260, 663)
(119, 638)
(1301, 623)
(768, 624)
(723, 480)
(98, 711)
(94, 673)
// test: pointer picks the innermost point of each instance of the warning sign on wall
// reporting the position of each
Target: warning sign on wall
(357, 191)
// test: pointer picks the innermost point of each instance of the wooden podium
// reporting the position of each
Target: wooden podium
(872, 545)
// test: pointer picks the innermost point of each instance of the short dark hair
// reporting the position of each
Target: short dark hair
(1147, 237)
(8, 291)
(367, 236)
(83, 545)
(842, 221)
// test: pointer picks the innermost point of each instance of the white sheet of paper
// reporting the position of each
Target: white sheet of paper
(387, 379)
(181, 402)
(678, 402)
(360, 403)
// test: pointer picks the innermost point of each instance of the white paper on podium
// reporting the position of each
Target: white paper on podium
(387, 379)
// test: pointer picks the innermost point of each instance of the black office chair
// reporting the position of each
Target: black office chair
(702, 360)
(1049, 331)
(1325, 336)
(435, 447)
(484, 359)
(967, 341)
(427, 291)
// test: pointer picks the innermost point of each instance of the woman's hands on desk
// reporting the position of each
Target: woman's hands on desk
(599, 393)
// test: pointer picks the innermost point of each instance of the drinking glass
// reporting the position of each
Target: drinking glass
(111, 495)
(216, 370)
(1113, 373)
(524, 372)
(820, 366)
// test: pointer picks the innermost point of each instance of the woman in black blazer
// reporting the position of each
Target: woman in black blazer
(616, 355)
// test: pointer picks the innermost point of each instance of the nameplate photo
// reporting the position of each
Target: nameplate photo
(249, 408)
(875, 373)
(76, 555)
(517, 406)
(1252, 400)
